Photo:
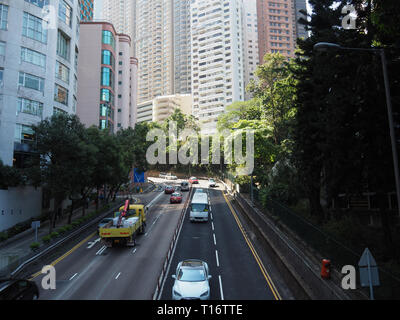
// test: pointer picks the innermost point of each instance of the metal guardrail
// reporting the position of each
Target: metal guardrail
(171, 248)
(54, 246)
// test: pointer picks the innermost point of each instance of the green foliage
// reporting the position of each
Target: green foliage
(34, 245)
(54, 234)
(46, 239)
(10, 177)
(3, 236)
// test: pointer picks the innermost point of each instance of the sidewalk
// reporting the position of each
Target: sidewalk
(16, 248)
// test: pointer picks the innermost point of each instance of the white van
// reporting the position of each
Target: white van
(199, 207)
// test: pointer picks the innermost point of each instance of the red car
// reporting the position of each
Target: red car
(176, 197)
(193, 180)
(169, 189)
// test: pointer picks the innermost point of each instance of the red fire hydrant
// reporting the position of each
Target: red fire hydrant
(326, 269)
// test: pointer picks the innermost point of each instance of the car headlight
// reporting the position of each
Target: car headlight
(177, 293)
(204, 294)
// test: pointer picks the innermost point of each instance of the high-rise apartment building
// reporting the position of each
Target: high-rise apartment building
(154, 48)
(38, 77)
(121, 13)
(87, 10)
(182, 77)
(107, 78)
(278, 26)
(216, 58)
(250, 38)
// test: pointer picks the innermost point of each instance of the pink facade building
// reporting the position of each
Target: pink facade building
(107, 78)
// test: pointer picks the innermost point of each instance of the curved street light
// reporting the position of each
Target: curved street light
(328, 46)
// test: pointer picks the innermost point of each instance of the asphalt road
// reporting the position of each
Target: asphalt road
(91, 271)
(237, 273)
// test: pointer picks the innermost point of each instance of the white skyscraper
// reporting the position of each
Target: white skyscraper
(217, 58)
(250, 37)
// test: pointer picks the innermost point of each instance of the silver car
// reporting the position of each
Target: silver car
(211, 183)
(191, 281)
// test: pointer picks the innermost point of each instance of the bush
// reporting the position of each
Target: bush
(54, 234)
(46, 239)
(68, 227)
(62, 230)
(75, 223)
(34, 245)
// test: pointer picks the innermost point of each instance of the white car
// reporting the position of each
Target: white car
(191, 281)
(211, 183)
(169, 176)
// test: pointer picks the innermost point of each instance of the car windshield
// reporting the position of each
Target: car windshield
(197, 207)
(176, 195)
(211, 180)
(191, 275)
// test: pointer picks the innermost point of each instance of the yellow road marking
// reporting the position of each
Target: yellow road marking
(256, 256)
(65, 255)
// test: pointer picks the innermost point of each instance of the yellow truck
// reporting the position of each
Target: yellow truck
(127, 223)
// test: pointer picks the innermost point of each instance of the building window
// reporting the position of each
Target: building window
(108, 58)
(58, 111)
(62, 72)
(30, 81)
(108, 38)
(107, 96)
(3, 16)
(34, 57)
(29, 106)
(2, 48)
(63, 45)
(32, 27)
(39, 3)
(107, 77)
(23, 134)
(60, 94)
(65, 12)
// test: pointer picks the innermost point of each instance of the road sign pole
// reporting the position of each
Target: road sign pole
(371, 288)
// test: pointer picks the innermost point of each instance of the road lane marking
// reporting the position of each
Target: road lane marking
(254, 252)
(73, 277)
(101, 250)
(220, 288)
(211, 216)
(117, 276)
(215, 240)
(134, 250)
(65, 254)
(212, 225)
(92, 243)
(216, 256)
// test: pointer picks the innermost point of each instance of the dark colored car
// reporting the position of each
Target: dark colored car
(18, 289)
(176, 197)
(169, 189)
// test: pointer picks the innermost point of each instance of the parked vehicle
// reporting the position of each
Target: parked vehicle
(211, 183)
(125, 226)
(176, 197)
(199, 207)
(18, 289)
(185, 186)
(162, 175)
(191, 281)
(193, 180)
(169, 190)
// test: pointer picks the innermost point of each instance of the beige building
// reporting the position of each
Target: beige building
(121, 14)
(154, 48)
(160, 108)
(107, 78)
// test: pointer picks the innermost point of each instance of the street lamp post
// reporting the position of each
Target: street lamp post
(327, 46)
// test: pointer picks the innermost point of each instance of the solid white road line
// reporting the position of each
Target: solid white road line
(73, 277)
(101, 250)
(216, 256)
(220, 288)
